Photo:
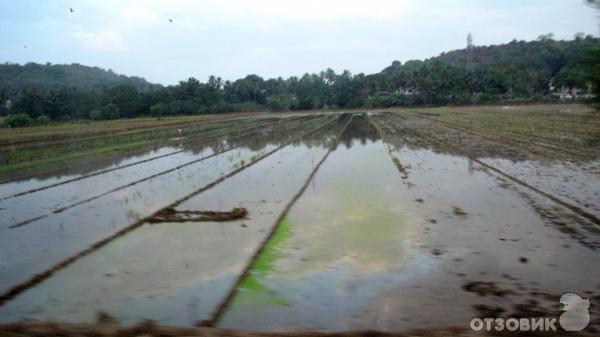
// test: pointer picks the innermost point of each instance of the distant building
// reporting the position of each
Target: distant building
(565, 93)
(407, 91)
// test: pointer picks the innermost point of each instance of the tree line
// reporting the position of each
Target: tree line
(517, 71)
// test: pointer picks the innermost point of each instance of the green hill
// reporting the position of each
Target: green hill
(518, 71)
(515, 69)
(16, 77)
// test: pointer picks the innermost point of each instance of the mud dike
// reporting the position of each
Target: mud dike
(170, 214)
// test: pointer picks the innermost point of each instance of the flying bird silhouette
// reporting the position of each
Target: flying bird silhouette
(171, 20)
(71, 9)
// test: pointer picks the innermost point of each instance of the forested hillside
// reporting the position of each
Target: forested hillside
(15, 77)
(517, 71)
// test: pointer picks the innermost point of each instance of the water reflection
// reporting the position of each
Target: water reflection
(369, 248)
(196, 138)
(160, 271)
(360, 130)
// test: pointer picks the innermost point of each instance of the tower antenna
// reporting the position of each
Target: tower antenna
(470, 53)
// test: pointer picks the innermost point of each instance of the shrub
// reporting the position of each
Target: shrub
(96, 115)
(157, 110)
(17, 120)
(374, 101)
(43, 120)
(113, 111)
(281, 102)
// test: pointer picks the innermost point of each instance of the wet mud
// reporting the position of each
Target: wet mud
(172, 215)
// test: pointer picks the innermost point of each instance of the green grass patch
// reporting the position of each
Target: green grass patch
(265, 264)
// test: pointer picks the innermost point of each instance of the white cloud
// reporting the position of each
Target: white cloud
(104, 40)
(315, 10)
(232, 38)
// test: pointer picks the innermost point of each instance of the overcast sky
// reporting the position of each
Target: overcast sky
(270, 37)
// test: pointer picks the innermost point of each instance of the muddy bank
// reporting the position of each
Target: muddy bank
(151, 329)
(169, 214)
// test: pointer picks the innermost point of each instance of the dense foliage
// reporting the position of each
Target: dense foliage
(15, 77)
(517, 71)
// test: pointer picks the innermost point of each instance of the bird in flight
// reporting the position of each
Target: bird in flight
(171, 20)
(24, 46)
(72, 11)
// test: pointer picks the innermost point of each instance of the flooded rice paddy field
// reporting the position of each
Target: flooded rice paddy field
(385, 221)
(79, 149)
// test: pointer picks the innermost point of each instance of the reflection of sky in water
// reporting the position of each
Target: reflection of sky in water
(348, 240)
(174, 273)
(359, 250)
(61, 235)
(42, 202)
(329, 298)
(24, 185)
(198, 143)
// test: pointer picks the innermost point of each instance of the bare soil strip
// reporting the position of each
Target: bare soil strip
(36, 279)
(220, 310)
(555, 199)
(82, 177)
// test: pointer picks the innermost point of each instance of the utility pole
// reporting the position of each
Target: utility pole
(469, 64)
(469, 53)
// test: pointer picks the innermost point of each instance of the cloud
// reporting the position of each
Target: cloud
(137, 16)
(104, 40)
(315, 10)
(114, 28)
(232, 38)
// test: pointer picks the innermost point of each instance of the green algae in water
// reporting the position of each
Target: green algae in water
(251, 287)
